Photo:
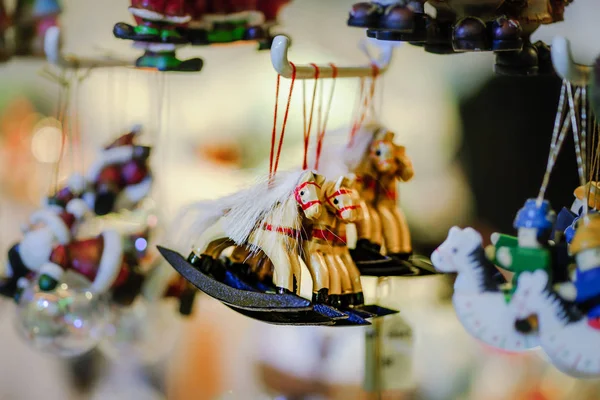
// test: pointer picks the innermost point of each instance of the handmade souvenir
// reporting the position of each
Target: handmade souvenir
(378, 164)
(31, 20)
(528, 251)
(218, 22)
(478, 299)
(164, 25)
(157, 33)
(568, 217)
(120, 177)
(585, 247)
(567, 336)
(459, 25)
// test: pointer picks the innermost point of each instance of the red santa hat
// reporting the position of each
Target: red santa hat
(61, 222)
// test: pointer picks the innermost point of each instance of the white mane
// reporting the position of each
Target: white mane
(252, 207)
(338, 156)
(244, 211)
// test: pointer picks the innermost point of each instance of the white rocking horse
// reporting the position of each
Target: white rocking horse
(570, 342)
(267, 217)
(478, 301)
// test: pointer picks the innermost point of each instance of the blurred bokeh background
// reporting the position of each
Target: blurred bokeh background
(479, 144)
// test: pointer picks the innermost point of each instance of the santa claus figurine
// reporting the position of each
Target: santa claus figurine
(120, 178)
(158, 33)
(48, 227)
(230, 21)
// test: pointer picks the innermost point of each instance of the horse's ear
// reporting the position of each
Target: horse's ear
(320, 180)
(539, 279)
(389, 136)
(350, 181)
(473, 234)
(339, 183)
(454, 231)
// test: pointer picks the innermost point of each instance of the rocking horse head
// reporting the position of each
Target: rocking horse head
(342, 199)
(535, 297)
(282, 201)
(308, 194)
(383, 152)
(458, 250)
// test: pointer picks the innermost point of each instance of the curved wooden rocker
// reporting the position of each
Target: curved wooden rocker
(279, 309)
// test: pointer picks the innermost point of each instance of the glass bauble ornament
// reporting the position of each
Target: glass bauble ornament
(67, 321)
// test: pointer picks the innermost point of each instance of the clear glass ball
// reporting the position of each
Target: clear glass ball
(66, 322)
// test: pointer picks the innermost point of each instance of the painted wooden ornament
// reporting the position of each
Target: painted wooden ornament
(157, 33)
(29, 20)
(216, 22)
(162, 26)
(479, 300)
(267, 220)
(378, 164)
(528, 251)
(501, 26)
(568, 337)
(564, 229)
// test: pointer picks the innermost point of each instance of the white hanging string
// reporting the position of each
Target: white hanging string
(578, 137)
(558, 135)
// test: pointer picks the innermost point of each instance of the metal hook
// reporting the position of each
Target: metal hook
(281, 63)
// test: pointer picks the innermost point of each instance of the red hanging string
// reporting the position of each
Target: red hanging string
(323, 123)
(308, 125)
(365, 101)
(274, 156)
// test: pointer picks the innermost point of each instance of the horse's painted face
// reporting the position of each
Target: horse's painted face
(308, 194)
(383, 156)
(530, 287)
(343, 201)
(455, 252)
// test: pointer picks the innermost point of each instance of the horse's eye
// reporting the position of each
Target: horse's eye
(335, 201)
(378, 153)
(302, 193)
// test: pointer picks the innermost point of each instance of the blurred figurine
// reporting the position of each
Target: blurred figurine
(120, 177)
(378, 164)
(225, 22)
(566, 219)
(585, 288)
(503, 26)
(529, 251)
(478, 299)
(48, 228)
(31, 19)
(570, 340)
(157, 33)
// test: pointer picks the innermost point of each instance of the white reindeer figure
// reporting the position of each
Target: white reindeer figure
(478, 301)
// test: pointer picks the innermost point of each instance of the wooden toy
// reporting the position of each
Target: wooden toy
(504, 27)
(378, 164)
(568, 338)
(31, 20)
(241, 20)
(329, 277)
(528, 251)
(165, 25)
(478, 299)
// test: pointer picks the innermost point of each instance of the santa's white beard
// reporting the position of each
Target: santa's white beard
(36, 247)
